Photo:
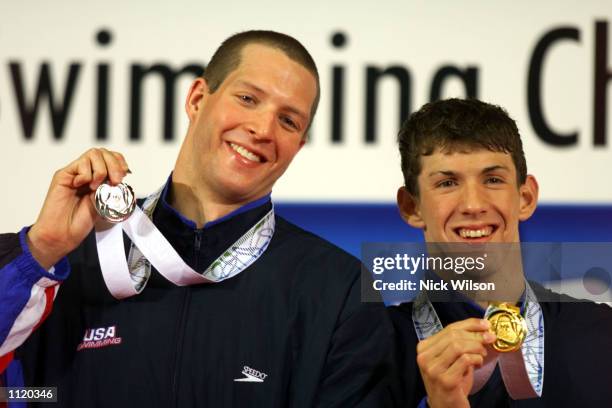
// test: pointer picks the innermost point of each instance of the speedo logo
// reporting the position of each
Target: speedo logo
(251, 375)
(99, 337)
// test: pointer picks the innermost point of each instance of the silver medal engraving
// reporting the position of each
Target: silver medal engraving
(115, 203)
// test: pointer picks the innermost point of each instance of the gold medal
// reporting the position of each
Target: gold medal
(508, 325)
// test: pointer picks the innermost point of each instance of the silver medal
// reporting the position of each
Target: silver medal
(115, 203)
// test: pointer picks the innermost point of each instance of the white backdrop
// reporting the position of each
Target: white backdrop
(496, 38)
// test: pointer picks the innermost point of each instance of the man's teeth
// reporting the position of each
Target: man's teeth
(479, 233)
(245, 153)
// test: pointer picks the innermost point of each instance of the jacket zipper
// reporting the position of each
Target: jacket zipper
(183, 317)
(196, 249)
(179, 345)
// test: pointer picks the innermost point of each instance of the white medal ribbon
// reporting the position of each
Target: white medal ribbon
(522, 373)
(150, 247)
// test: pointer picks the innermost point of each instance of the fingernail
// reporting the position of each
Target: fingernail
(488, 337)
(486, 324)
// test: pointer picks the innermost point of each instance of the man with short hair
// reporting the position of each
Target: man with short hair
(467, 186)
(279, 320)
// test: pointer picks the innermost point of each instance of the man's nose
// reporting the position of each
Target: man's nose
(261, 125)
(473, 200)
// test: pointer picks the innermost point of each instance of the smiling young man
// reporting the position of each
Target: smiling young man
(279, 322)
(466, 186)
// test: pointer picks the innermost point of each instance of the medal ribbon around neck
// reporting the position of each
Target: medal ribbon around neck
(522, 370)
(125, 278)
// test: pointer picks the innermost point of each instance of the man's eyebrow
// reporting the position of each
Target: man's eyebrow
(297, 112)
(449, 173)
(251, 85)
(288, 108)
(494, 167)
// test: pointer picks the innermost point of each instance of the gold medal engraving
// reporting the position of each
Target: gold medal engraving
(508, 325)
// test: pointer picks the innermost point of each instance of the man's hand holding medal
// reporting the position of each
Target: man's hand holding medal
(69, 212)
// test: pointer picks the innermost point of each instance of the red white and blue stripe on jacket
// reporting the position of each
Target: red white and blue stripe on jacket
(28, 291)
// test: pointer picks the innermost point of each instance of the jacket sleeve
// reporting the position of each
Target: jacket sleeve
(360, 359)
(27, 290)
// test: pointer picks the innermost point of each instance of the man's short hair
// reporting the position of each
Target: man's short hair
(227, 57)
(454, 125)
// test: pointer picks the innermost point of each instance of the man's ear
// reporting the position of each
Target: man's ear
(529, 197)
(409, 208)
(197, 92)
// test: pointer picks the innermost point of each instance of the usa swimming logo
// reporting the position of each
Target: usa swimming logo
(99, 337)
